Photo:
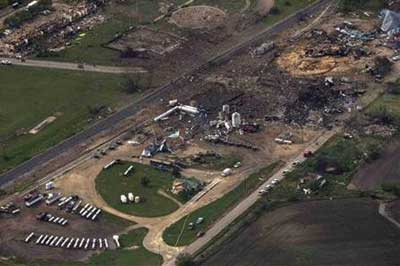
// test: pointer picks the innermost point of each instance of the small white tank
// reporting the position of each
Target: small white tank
(123, 199)
(236, 121)
(225, 108)
(131, 197)
(137, 199)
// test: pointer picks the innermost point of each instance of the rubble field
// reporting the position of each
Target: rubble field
(143, 39)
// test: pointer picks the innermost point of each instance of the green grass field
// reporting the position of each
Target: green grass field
(132, 253)
(178, 234)
(30, 95)
(111, 183)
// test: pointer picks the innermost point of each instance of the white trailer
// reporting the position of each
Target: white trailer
(82, 241)
(64, 242)
(105, 243)
(100, 243)
(76, 243)
(84, 208)
(96, 214)
(94, 243)
(75, 208)
(49, 240)
(39, 239)
(87, 243)
(28, 238)
(109, 164)
(44, 239)
(126, 173)
(116, 240)
(59, 241)
(54, 241)
(70, 242)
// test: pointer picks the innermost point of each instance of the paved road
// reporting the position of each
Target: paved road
(75, 66)
(43, 158)
(247, 203)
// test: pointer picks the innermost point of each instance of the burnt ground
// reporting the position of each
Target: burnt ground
(340, 232)
(14, 230)
(384, 170)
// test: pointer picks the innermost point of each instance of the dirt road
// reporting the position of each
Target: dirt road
(249, 201)
(74, 66)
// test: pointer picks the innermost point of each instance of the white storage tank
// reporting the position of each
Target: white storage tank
(137, 199)
(236, 121)
(123, 199)
(131, 197)
(225, 108)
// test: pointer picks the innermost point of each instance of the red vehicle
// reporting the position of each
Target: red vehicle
(308, 154)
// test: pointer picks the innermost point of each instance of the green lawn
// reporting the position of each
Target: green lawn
(213, 211)
(132, 253)
(389, 101)
(111, 183)
(215, 163)
(30, 95)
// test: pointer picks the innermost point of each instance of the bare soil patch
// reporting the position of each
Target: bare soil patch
(384, 170)
(147, 39)
(198, 17)
(340, 232)
(264, 6)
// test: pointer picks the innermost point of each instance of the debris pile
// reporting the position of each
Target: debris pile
(51, 32)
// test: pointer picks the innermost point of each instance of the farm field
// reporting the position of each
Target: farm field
(111, 183)
(71, 98)
(339, 232)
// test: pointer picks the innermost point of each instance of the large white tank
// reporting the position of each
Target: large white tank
(137, 199)
(123, 199)
(131, 197)
(236, 121)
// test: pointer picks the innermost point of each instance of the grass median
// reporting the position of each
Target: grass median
(179, 234)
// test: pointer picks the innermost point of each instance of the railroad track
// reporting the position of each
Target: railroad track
(28, 166)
